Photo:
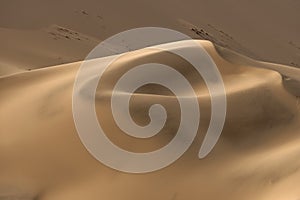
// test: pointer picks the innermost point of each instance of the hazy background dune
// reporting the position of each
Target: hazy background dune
(265, 30)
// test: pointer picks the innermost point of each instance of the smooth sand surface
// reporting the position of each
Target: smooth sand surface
(256, 157)
(42, 46)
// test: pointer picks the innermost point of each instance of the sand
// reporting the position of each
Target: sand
(256, 157)
(267, 31)
(41, 155)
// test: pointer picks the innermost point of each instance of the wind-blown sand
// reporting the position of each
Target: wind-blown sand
(256, 157)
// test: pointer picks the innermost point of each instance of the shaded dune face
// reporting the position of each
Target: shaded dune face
(256, 157)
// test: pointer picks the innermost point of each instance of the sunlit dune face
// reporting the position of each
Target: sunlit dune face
(42, 156)
(146, 96)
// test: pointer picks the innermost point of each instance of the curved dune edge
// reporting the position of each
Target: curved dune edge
(291, 75)
(256, 157)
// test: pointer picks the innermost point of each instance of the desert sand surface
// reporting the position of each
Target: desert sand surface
(30, 37)
(256, 157)
(255, 45)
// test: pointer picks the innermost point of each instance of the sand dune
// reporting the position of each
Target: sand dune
(255, 45)
(253, 28)
(31, 49)
(256, 158)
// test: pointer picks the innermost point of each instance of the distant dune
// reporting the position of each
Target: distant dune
(263, 30)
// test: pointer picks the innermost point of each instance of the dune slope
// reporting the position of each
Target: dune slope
(256, 157)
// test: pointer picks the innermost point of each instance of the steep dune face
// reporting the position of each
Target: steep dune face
(256, 157)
